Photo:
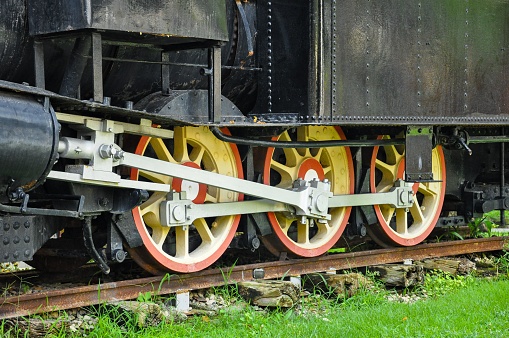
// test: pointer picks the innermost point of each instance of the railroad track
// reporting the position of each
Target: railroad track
(47, 301)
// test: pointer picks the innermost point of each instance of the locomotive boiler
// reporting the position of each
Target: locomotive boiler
(169, 131)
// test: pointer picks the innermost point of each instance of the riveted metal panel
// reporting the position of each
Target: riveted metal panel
(424, 61)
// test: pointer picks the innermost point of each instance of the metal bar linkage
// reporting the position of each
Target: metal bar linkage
(396, 197)
(305, 199)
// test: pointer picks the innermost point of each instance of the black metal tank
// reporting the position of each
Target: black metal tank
(15, 44)
(123, 81)
(28, 143)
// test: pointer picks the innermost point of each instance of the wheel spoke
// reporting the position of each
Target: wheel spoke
(387, 212)
(292, 155)
(318, 155)
(429, 188)
(323, 228)
(287, 173)
(284, 223)
(182, 240)
(401, 221)
(204, 230)
(150, 210)
(392, 154)
(180, 143)
(154, 177)
(285, 136)
(416, 211)
(304, 135)
(388, 170)
(302, 233)
(328, 171)
(211, 199)
(159, 235)
(384, 187)
(161, 150)
(197, 154)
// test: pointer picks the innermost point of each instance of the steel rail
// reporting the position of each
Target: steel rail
(47, 301)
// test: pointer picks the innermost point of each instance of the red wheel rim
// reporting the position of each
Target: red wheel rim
(400, 226)
(193, 147)
(334, 164)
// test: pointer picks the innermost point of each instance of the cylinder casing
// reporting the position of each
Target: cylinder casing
(28, 142)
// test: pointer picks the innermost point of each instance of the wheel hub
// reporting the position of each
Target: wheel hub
(311, 169)
(194, 191)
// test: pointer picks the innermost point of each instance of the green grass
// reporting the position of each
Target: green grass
(454, 307)
(483, 226)
(478, 310)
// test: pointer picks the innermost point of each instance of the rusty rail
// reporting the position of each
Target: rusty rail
(47, 301)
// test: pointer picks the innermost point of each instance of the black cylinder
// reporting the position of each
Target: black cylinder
(28, 142)
(14, 40)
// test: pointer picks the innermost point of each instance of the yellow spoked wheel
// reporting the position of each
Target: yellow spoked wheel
(410, 226)
(186, 248)
(283, 166)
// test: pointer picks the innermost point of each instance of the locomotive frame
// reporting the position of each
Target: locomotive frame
(406, 81)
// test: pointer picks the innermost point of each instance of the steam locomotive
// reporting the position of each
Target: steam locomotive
(169, 131)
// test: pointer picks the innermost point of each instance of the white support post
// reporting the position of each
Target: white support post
(297, 281)
(182, 302)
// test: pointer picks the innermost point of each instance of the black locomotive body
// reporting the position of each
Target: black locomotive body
(150, 127)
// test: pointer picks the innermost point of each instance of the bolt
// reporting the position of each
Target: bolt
(255, 243)
(258, 273)
(103, 201)
(178, 213)
(120, 256)
(118, 155)
(362, 230)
